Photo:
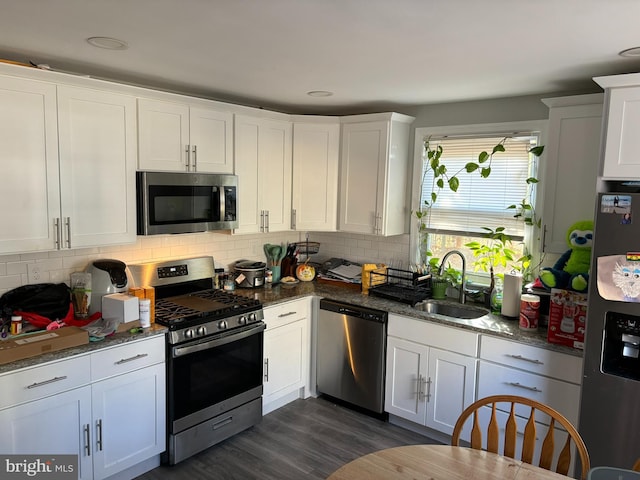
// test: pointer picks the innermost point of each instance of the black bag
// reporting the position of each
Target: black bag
(50, 300)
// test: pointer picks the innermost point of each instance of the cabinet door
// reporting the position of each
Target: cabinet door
(30, 190)
(285, 352)
(406, 374)
(274, 153)
(451, 386)
(59, 424)
(622, 148)
(246, 168)
(364, 149)
(315, 176)
(97, 167)
(211, 133)
(128, 419)
(570, 161)
(163, 135)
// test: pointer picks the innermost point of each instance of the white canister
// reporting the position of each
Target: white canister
(145, 312)
(529, 311)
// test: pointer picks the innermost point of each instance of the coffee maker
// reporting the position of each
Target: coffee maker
(107, 276)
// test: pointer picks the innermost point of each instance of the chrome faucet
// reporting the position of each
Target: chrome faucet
(461, 296)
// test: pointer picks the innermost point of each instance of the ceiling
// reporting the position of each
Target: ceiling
(372, 54)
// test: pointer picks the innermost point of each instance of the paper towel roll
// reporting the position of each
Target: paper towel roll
(511, 295)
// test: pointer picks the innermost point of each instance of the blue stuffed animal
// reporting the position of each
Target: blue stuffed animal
(571, 271)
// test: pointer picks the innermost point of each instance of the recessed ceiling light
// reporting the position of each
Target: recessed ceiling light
(319, 93)
(108, 43)
(630, 52)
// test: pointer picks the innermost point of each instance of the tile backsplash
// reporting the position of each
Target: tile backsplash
(57, 266)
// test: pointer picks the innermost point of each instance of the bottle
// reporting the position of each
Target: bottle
(145, 313)
(496, 297)
(16, 325)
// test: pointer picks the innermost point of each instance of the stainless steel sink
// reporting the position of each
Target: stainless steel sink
(455, 310)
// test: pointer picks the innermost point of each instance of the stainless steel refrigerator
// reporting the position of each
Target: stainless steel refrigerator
(610, 399)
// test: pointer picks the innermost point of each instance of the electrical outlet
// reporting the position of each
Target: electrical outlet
(34, 272)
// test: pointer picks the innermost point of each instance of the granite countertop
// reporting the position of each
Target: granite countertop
(489, 324)
(495, 325)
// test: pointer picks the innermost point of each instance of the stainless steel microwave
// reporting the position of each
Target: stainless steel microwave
(181, 202)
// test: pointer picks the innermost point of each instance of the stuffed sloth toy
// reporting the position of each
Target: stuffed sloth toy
(571, 271)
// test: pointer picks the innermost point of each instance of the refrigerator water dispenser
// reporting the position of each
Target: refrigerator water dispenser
(621, 351)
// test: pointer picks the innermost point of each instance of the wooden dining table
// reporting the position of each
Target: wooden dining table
(439, 462)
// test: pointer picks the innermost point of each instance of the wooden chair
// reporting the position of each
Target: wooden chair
(529, 439)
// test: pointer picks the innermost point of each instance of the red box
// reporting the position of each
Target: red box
(567, 318)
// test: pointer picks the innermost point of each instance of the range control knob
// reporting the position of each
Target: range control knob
(252, 317)
(202, 331)
(188, 333)
(222, 325)
(242, 320)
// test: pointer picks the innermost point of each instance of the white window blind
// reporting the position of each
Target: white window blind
(481, 202)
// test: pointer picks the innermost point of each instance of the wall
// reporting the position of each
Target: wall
(57, 266)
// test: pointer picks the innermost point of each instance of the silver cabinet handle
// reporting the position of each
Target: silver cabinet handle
(56, 226)
(293, 219)
(266, 221)
(195, 158)
(99, 435)
(286, 314)
(131, 359)
(519, 385)
(262, 220)
(266, 369)
(67, 223)
(87, 440)
(531, 360)
(421, 382)
(188, 152)
(47, 382)
(428, 386)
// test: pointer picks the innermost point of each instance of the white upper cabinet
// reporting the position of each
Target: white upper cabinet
(374, 174)
(621, 140)
(263, 165)
(570, 159)
(97, 136)
(30, 192)
(316, 152)
(183, 137)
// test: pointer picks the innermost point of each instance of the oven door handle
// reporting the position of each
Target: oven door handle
(216, 342)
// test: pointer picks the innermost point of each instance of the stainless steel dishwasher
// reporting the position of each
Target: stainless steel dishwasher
(351, 354)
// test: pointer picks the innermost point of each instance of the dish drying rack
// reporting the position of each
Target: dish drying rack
(307, 249)
(400, 285)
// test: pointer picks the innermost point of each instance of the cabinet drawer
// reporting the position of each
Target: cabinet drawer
(532, 359)
(499, 380)
(127, 357)
(43, 381)
(427, 333)
(285, 313)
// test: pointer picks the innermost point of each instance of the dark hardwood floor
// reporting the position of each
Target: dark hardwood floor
(306, 439)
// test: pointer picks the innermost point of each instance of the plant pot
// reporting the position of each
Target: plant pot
(439, 290)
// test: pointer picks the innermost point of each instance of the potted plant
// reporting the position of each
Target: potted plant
(442, 280)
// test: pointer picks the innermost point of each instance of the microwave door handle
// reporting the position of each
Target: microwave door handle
(222, 197)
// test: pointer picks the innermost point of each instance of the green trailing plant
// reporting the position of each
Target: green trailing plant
(496, 251)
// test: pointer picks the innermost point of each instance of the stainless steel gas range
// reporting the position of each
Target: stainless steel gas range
(214, 354)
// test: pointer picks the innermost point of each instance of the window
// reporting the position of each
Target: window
(459, 217)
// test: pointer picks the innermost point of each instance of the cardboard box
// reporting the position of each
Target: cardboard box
(34, 344)
(120, 306)
(567, 318)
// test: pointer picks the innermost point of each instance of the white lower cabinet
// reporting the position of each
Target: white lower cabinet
(115, 421)
(429, 383)
(286, 353)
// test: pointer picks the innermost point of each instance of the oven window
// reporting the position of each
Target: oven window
(183, 204)
(207, 377)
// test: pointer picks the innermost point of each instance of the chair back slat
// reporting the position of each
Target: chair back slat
(476, 434)
(493, 432)
(529, 440)
(565, 457)
(510, 434)
(548, 446)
